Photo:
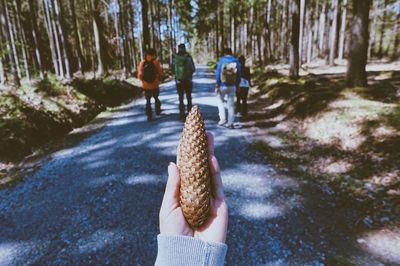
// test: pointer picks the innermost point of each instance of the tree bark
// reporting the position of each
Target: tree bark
(302, 11)
(78, 39)
(20, 34)
(342, 30)
(309, 34)
(10, 43)
(395, 53)
(145, 24)
(321, 30)
(284, 32)
(332, 43)
(101, 43)
(37, 42)
(63, 40)
(294, 44)
(356, 74)
(382, 30)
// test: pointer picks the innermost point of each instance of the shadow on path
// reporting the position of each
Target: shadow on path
(98, 202)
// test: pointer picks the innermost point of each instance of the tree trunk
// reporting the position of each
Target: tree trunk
(373, 38)
(169, 30)
(101, 43)
(284, 32)
(159, 31)
(395, 53)
(332, 43)
(302, 10)
(53, 27)
(20, 34)
(81, 60)
(63, 40)
(13, 56)
(382, 30)
(2, 70)
(132, 30)
(321, 30)
(309, 34)
(356, 74)
(36, 39)
(145, 24)
(221, 25)
(294, 44)
(342, 30)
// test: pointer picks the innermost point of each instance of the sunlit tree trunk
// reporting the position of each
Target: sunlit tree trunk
(284, 32)
(10, 43)
(396, 46)
(50, 33)
(356, 74)
(321, 30)
(309, 34)
(342, 30)
(36, 39)
(294, 43)
(100, 42)
(382, 30)
(132, 30)
(20, 34)
(332, 39)
(78, 39)
(302, 11)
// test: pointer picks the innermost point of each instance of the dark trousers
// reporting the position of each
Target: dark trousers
(184, 87)
(241, 100)
(149, 93)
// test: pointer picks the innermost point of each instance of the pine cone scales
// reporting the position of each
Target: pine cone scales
(194, 170)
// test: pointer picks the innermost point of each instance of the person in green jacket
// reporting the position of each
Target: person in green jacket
(178, 243)
(183, 67)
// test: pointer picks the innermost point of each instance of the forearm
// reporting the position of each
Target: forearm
(184, 250)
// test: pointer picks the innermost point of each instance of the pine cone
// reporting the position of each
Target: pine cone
(194, 170)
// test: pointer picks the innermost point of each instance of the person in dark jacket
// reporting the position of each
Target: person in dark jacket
(243, 91)
(183, 67)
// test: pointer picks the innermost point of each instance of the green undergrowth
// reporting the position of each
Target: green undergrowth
(323, 131)
(38, 113)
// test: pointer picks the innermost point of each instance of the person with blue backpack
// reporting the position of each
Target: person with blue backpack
(151, 73)
(228, 76)
(183, 67)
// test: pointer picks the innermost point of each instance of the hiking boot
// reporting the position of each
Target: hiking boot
(230, 126)
(221, 122)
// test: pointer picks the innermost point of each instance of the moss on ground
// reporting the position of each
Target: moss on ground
(35, 114)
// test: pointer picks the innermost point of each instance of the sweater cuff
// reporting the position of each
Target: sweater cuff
(185, 250)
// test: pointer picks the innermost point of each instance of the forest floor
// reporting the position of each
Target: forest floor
(39, 113)
(96, 201)
(346, 140)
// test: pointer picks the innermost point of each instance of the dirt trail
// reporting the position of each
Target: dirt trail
(98, 202)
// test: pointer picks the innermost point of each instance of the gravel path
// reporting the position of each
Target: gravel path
(98, 202)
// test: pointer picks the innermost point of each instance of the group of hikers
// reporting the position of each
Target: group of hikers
(232, 79)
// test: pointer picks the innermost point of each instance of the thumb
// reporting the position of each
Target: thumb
(171, 195)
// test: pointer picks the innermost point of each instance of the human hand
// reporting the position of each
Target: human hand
(172, 221)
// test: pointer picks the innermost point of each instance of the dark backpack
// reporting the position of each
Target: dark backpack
(149, 72)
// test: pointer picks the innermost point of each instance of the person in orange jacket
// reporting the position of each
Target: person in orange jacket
(151, 73)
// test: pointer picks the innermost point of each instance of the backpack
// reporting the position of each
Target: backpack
(181, 69)
(149, 72)
(229, 73)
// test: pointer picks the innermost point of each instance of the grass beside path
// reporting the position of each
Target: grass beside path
(37, 114)
(345, 139)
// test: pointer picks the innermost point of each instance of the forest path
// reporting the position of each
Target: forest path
(98, 202)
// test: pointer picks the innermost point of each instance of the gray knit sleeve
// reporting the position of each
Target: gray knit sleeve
(184, 250)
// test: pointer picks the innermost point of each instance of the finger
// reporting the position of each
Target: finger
(210, 138)
(216, 181)
(171, 195)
